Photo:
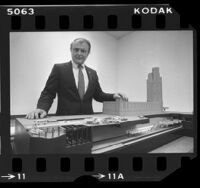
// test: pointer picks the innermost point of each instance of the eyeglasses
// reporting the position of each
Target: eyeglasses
(78, 49)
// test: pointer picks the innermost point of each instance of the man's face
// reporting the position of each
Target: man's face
(79, 52)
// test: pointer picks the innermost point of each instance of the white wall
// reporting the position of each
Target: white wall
(122, 65)
(33, 54)
(172, 51)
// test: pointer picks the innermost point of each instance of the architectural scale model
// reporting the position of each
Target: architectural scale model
(122, 127)
(154, 104)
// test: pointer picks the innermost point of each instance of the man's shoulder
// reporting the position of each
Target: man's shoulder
(61, 65)
(90, 69)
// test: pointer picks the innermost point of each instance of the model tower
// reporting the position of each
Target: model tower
(154, 86)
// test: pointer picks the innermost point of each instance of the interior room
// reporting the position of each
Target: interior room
(122, 60)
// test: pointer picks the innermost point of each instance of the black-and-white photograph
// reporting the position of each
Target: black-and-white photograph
(101, 92)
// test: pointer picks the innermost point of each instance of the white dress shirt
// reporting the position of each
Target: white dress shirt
(75, 72)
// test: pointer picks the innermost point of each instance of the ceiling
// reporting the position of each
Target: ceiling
(119, 34)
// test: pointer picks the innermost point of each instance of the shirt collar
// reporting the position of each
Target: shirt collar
(75, 66)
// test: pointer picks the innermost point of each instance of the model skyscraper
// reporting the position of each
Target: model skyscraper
(154, 86)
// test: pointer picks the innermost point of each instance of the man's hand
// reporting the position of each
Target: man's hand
(36, 114)
(120, 96)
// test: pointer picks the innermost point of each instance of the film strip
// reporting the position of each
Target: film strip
(91, 148)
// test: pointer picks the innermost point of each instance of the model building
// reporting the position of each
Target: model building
(154, 104)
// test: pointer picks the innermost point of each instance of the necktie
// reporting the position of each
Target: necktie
(81, 82)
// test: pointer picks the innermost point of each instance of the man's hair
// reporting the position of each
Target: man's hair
(81, 40)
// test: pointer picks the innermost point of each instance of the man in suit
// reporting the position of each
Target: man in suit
(75, 84)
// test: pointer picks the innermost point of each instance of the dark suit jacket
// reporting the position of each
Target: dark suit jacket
(62, 82)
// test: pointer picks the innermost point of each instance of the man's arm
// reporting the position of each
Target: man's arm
(101, 96)
(49, 93)
(47, 96)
